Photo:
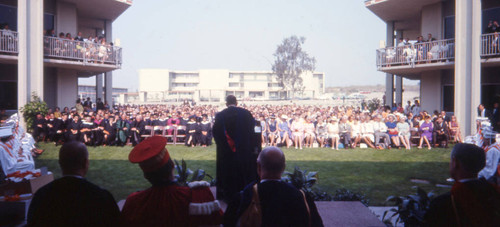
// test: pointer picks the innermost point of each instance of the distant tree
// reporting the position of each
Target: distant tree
(290, 62)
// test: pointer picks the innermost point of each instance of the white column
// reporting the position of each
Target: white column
(467, 63)
(23, 90)
(389, 78)
(399, 90)
(98, 87)
(35, 47)
(108, 89)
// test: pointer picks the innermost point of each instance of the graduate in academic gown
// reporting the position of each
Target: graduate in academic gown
(98, 130)
(123, 128)
(39, 127)
(137, 129)
(191, 135)
(206, 131)
(109, 131)
(73, 130)
(86, 131)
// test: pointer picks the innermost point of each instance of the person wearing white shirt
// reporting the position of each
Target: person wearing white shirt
(367, 131)
(380, 130)
(492, 161)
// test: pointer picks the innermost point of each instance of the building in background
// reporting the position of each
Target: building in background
(457, 65)
(32, 62)
(89, 91)
(159, 85)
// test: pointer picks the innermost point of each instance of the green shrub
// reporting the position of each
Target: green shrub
(411, 208)
(32, 108)
(304, 180)
(183, 173)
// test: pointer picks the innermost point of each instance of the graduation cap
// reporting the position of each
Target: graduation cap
(151, 154)
(5, 131)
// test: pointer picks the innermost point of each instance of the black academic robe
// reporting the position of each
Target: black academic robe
(281, 205)
(51, 129)
(73, 130)
(99, 132)
(71, 201)
(206, 133)
(135, 135)
(110, 132)
(237, 156)
(192, 133)
(87, 131)
(39, 132)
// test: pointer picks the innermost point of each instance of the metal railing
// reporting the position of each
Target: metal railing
(64, 49)
(87, 52)
(490, 45)
(417, 53)
(8, 42)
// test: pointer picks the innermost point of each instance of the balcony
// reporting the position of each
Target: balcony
(415, 58)
(64, 53)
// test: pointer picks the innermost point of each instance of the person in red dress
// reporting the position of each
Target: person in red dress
(166, 203)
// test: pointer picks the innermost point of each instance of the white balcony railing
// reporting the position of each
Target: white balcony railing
(490, 45)
(8, 42)
(417, 53)
(64, 49)
(87, 52)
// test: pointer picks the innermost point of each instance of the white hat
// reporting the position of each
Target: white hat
(5, 132)
(284, 116)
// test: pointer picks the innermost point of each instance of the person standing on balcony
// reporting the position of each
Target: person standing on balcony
(79, 37)
(430, 38)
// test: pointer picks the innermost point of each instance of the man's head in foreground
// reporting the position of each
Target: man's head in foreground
(271, 163)
(466, 161)
(74, 159)
(231, 100)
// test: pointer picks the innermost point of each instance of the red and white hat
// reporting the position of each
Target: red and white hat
(151, 154)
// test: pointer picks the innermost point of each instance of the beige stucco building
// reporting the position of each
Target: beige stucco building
(156, 85)
(458, 69)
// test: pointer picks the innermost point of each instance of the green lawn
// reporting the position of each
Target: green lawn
(376, 173)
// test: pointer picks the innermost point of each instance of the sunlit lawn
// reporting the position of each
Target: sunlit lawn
(376, 173)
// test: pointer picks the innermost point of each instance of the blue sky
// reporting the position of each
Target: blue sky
(243, 35)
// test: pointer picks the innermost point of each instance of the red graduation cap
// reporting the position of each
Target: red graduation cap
(151, 153)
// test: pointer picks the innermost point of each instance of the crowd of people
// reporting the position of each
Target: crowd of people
(94, 49)
(309, 126)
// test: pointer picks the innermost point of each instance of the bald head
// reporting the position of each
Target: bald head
(73, 158)
(271, 163)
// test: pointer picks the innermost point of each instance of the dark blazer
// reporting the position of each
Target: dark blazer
(281, 203)
(71, 201)
(442, 213)
(439, 128)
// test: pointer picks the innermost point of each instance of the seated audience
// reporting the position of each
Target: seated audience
(440, 133)
(166, 203)
(426, 129)
(454, 130)
(72, 200)
(404, 132)
(471, 201)
(280, 203)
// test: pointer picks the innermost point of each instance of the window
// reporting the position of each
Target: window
(234, 84)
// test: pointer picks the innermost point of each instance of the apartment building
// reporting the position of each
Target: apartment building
(457, 61)
(156, 85)
(33, 59)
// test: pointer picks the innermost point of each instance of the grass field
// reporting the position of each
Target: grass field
(376, 173)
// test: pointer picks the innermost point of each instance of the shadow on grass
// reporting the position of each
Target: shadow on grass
(375, 179)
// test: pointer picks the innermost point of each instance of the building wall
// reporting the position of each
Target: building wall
(430, 93)
(67, 82)
(154, 79)
(50, 86)
(66, 18)
(432, 21)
